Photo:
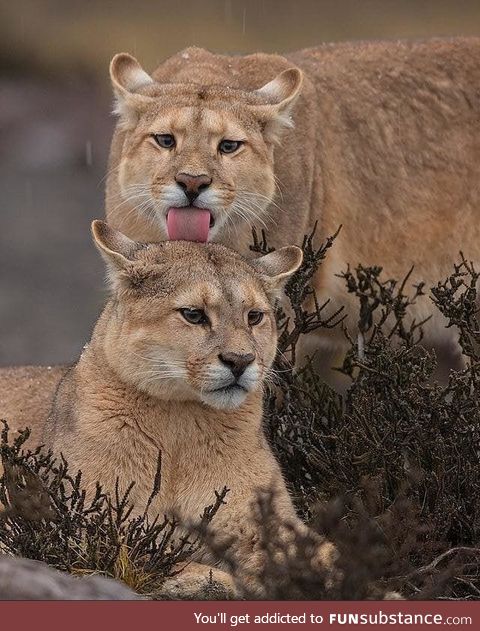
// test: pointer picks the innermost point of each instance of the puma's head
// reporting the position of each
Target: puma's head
(191, 321)
(196, 160)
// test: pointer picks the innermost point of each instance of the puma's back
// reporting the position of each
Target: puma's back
(398, 147)
(26, 396)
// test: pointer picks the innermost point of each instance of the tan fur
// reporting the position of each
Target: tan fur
(26, 396)
(142, 386)
(385, 142)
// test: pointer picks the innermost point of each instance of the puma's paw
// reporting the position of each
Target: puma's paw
(196, 581)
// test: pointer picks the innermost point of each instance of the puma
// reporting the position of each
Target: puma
(177, 364)
(379, 137)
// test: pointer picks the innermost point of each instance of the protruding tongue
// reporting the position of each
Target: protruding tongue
(188, 224)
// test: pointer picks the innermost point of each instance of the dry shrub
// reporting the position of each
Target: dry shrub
(47, 517)
(399, 451)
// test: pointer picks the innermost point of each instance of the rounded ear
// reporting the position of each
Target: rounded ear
(127, 77)
(282, 90)
(127, 74)
(280, 95)
(116, 249)
(279, 265)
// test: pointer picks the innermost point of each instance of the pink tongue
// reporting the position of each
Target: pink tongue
(188, 224)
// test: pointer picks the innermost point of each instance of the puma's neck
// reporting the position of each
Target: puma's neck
(104, 395)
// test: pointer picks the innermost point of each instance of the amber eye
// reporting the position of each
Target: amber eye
(229, 146)
(255, 317)
(166, 141)
(194, 316)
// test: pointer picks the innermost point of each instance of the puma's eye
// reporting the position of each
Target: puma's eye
(229, 146)
(194, 316)
(167, 141)
(255, 317)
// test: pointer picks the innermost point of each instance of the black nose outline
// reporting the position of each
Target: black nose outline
(237, 362)
(193, 185)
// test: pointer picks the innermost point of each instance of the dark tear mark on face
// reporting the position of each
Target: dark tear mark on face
(202, 95)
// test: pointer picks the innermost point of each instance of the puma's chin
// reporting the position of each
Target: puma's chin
(226, 398)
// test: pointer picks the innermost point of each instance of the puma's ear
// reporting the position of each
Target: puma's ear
(282, 90)
(277, 267)
(127, 74)
(280, 95)
(127, 77)
(116, 249)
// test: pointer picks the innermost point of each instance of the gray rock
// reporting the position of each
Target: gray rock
(24, 579)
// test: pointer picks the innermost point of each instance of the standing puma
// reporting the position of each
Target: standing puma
(176, 364)
(381, 137)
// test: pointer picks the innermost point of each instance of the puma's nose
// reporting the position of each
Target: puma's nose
(237, 362)
(193, 185)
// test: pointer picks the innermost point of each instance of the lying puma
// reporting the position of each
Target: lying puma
(176, 364)
(381, 137)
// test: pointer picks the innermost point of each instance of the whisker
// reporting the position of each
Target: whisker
(107, 174)
(247, 214)
(254, 194)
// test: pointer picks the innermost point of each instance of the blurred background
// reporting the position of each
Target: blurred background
(55, 127)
